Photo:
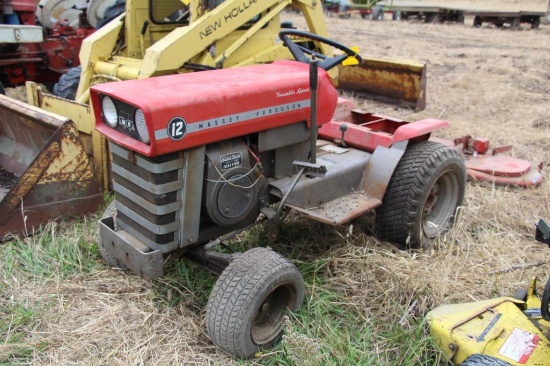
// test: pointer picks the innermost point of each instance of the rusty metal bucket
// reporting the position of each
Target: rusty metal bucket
(400, 82)
(45, 173)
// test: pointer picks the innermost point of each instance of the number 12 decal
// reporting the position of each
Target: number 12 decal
(176, 128)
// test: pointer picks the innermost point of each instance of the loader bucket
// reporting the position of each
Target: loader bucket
(45, 173)
(388, 80)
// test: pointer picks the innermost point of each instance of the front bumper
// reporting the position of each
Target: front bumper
(130, 252)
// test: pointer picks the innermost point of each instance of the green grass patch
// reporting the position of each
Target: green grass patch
(49, 253)
(16, 319)
(184, 281)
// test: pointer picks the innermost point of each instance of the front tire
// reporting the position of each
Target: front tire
(247, 306)
(423, 196)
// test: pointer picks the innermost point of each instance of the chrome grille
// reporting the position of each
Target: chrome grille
(148, 196)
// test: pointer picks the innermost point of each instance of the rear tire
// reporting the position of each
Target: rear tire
(433, 18)
(68, 84)
(423, 196)
(484, 360)
(378, 12)
(478, 21)
(247, 306)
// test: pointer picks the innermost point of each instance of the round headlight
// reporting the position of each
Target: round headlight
(141, 126)
(108, 109)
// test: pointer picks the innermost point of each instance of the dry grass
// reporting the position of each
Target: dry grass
(487, 82)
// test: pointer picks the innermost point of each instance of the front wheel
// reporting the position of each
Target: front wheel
(247, 306)
(423, 196)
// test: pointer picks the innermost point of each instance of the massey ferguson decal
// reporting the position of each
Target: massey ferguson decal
(125, 121)
(176, 128)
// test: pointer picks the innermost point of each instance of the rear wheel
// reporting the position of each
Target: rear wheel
(423, 196)
(484, 360)
(68, 84)
(478, 21)
(378, 13)
(433, 18)
(247, 306)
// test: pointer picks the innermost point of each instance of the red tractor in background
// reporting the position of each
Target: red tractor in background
(30, 52)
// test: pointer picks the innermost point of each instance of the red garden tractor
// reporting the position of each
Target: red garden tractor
(30, 52)
(199, 157)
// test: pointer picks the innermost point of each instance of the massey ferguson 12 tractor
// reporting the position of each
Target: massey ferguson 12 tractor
(200, 157)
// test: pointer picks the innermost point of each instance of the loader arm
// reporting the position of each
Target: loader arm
(214, 40)
(234, 33)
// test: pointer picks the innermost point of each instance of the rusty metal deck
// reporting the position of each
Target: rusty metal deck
(341, 210)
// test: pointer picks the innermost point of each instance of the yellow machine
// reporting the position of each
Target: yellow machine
(497, 332)
(152, 38)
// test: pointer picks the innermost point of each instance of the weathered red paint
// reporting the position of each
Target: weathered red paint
(368, 131)
(211, 95)
(493, 166)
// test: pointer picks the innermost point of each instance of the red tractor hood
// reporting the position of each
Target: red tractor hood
(186, 110)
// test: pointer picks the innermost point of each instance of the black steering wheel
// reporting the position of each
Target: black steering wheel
(299, 52)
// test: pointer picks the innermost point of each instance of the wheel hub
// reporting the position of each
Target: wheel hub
(268, 322)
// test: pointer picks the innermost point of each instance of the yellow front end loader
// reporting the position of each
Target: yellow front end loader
(144, 39)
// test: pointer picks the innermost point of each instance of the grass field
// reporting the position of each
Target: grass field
(365, 301)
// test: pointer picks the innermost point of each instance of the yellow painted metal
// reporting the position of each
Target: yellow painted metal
(393, 79)
(99, 46)
(490, 327)
(93, 143)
